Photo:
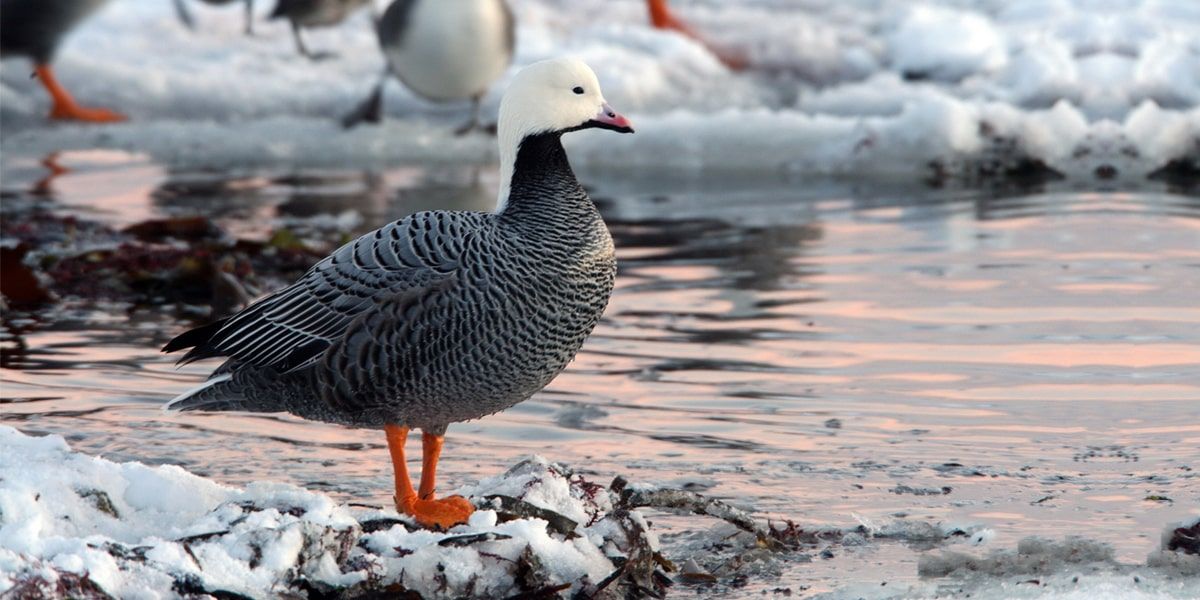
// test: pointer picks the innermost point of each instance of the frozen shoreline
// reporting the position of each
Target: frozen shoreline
(72, 524)
(872, 88)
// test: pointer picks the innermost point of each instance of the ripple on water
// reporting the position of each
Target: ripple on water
(1035, 355)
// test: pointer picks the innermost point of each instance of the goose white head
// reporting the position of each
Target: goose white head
(551, 96)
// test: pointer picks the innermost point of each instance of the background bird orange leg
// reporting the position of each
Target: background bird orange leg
(427, 511)
(662, 18)
(65, 106)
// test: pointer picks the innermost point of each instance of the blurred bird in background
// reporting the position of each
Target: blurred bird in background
(185, 15)
(314, 13)
(442, 50)
(35, 28)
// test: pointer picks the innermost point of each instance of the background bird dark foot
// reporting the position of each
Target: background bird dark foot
(370, 111)
(185, 15)
(442, 513)
(321, 56)
(466, 128)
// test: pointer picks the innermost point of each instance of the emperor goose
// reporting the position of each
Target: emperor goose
(441, 316)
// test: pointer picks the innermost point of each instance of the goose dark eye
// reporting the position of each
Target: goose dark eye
(578, 90)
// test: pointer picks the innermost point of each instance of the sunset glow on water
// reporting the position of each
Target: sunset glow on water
(801, 351)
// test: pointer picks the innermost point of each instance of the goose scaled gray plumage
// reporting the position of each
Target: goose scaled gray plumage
(436, 318)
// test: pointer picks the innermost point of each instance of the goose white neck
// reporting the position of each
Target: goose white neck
(508, 162)
(512, 129)
(548, 96)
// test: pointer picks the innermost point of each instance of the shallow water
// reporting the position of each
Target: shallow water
(1029, 362)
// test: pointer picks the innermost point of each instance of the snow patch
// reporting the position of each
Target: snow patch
(73, 525)
(943, 43)
(1033, 556)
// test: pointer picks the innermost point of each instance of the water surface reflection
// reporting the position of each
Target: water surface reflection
(802, 350)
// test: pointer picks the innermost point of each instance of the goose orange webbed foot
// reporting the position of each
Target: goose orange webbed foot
(440, 513)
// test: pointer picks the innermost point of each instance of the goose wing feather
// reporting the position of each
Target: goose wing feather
(293, 327)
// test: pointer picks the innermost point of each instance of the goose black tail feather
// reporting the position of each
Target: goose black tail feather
(194, 338)
(228, 391)
(218, 393)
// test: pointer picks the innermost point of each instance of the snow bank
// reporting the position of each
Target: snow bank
(1034, 556)
(72, 521)
(1074, 568)
(73, 525)
(935, 89)
(941, 43)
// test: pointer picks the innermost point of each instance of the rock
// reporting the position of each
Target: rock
(19, 285)
(1184, 538)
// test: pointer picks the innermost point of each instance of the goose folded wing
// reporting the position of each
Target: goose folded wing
(294, 326)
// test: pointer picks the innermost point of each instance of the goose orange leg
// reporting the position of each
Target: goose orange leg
(662, 18)
(65, 107)
(428, 512)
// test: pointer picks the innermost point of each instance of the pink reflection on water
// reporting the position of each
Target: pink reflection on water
(808, 377)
